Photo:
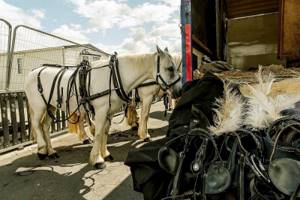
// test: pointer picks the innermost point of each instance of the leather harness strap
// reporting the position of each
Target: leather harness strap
(147, 84)
(60, 89)
(83, 72)
(40, 88)
(160, 78)
(39, 84)
(117, 79)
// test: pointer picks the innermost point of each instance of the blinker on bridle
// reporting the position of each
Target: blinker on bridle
(165, 86)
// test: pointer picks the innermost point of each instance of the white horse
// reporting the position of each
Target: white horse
(134, 70)
(147, 95)
(147, 92)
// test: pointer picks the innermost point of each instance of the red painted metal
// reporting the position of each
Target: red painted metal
(188, 52)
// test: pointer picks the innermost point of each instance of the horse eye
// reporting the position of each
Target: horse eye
(171, 69)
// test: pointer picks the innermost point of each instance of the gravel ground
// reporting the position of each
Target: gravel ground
(24, 177)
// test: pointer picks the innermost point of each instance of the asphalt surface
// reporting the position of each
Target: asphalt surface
(24, 177)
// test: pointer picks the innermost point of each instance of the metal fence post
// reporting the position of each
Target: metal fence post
(10, 59)
(9, 30)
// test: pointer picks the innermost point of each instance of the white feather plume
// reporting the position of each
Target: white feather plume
(260, 109)
(285, 101)
(265, 82)
(229, 112)
(263, 109)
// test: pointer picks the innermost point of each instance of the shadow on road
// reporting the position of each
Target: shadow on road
(121, 192)
(161, 115)
(70, 176)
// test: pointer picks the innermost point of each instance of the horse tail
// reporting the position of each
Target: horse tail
(73, 125)
(131, 114)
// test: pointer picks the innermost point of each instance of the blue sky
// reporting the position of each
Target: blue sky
(126, 26)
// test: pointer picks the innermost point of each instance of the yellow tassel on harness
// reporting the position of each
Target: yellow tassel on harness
(131, 115)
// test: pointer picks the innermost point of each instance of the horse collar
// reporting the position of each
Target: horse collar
(116, 78)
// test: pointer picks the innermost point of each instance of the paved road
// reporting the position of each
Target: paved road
(24, 177)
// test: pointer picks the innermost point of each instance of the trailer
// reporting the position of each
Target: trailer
(243, 33)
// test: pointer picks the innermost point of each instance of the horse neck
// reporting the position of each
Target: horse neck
(134, 70)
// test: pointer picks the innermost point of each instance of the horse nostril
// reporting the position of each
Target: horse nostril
(176, 93)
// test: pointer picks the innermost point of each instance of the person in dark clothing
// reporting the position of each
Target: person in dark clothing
(195, 106)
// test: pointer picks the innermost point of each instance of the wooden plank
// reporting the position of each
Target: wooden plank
(289, 42)
(201, 44)
(52, 129)
(58, 117)
(1, 128)
(265, 8)
(247, 2)
(252, 11)
(5, 122)
(243, 8)
(21, 117)
(63, 116)
(28, 117)
(13, 118)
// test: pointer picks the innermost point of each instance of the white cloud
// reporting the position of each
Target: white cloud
(106, 14)
(142, 42)
(39, 14)
(160, 16)
(156, 13)
(16, 15)
(170, 30)
(72, 32)
(173, 3)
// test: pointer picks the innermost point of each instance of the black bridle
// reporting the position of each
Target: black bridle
(165, 86)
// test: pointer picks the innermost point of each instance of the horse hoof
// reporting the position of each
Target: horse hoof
(42, 156)
(100, 165)
(134, 128)
(53, 156)
(147, 140)
(86, 141)
(109, 158)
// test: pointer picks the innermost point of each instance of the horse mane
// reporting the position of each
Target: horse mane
(140, 59)
(137, 58)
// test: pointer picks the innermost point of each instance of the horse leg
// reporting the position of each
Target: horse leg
(46, 127)
(92, 128)
(170, 102)
(36, 117)
(143, 129)
(132, 118)
(96, 158)
(84, 134)
(104, 151)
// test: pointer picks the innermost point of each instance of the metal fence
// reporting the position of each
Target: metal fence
(5, 42)
(31, 48)
(21, 50)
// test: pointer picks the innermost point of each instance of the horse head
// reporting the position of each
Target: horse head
(167, 75)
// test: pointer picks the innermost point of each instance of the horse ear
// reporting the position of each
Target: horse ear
(166, 49)
(159, 50)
